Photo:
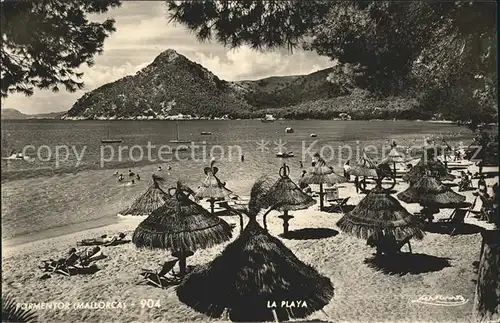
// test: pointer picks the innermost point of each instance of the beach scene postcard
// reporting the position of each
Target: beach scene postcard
(249, 161)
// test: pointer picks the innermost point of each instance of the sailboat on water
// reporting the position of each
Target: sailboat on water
(177, 140)
(109, 140)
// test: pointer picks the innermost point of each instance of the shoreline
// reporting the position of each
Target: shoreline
(60, 231)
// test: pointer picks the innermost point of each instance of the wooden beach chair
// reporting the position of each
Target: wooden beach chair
(395, 247)
(337, 205)
(456, 219)
(158, 278)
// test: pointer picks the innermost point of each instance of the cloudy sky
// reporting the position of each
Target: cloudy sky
(142, 33)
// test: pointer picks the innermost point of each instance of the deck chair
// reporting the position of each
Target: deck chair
(456, 219)
(337, 205)
(61, 266)
(465, 185)
(158, 278)
(394, 247)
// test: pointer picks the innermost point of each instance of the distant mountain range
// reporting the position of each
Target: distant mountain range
(173, 85)
(13, 114)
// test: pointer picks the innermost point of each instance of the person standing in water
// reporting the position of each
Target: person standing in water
(301, 164)
(242, 158)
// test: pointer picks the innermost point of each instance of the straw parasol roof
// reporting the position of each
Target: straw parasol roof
(430, 191)
(288, 194)
(393, 157)
(321, 173)
(365, 167)
(432, 165)
(255, 269)
(153, 198)
(380, 214)
(212, 187)
(181, 224)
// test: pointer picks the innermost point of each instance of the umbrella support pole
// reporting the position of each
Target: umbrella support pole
(212, 205)
(241, 222)
(182, 265)
(321, 194)
(286, 219)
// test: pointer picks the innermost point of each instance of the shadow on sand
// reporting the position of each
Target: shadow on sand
(407, 263)
(332, 209)
(310, 233)
(446, 228)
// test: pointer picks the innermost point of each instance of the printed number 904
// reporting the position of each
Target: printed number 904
(150, 303)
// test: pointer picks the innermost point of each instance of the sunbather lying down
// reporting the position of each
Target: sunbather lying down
(74, 259)
(104, 240)
(90, 255)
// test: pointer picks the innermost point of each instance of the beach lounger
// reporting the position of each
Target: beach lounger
(456, 219)
(158, 278)
(392, 247)
(337, 205)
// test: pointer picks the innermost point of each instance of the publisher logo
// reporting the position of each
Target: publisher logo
(440, 300)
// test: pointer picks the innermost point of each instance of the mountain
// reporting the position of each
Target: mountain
(172, 85)
(13, 114)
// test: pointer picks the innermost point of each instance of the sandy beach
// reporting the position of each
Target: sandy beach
(364, 291)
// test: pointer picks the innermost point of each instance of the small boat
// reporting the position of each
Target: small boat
(109, 140)
(313, 135)
(284, 154)
(177, 140)
(206, 133)
(268, 118)
(289, 130)
(16, 156)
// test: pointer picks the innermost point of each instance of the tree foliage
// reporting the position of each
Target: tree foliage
(44, 42)
(443, 53)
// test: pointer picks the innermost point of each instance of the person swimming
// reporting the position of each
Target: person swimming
(138, 177)
(130, 173)
(115, 173)
(169, 167)
(159, 169)
(120, 178)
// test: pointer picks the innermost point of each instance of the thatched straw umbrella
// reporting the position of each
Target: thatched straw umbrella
(153, 198)
(251, 274)
(425, 165)
(393, 158)
(181, 226)
(365, 167)
(289, 196)
(321, 174)
(212, 187)
(431, 194)
(380, 214)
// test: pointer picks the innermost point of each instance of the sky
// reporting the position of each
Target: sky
(143, 32)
